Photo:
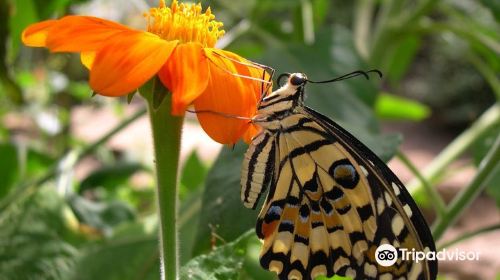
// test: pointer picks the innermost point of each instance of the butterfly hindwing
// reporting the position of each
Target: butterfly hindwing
(328, 223)
(258, 169)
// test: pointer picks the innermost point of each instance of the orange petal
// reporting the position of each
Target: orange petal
(186, 75)
(245, 68)
(72, 33)
(36, 34)
(127, 62)
(228, 94)
(87, 59)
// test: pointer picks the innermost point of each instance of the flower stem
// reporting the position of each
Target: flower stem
(166, 130)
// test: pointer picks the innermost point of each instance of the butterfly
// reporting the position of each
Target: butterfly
(331, 201)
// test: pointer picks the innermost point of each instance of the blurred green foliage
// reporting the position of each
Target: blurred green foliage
(440, 60)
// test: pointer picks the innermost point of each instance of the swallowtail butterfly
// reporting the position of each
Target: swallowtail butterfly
(331, 201)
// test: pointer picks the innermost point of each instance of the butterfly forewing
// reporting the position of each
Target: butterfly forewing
(331, 201)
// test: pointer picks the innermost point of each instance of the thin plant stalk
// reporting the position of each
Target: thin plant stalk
(460, 144)
(469, 235)
(437, 200)
(486, 169)
(166, 132)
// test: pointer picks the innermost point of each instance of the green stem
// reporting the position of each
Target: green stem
(363, 16)
(488, 73)
(436, 199)
(468, 35)
(436, 168)
(55, 170)
(469, 235)
(307, 21)
(465, 197)
(395, 21)
(422, 9)
(166, 130)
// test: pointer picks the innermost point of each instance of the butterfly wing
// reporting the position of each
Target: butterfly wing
(332, 202)
(258, 168)
(394, 205)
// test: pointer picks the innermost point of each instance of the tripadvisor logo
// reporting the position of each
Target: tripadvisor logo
(387, 255)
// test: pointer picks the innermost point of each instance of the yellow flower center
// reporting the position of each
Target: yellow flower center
(184, 22)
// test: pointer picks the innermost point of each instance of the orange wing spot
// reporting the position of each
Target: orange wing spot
(269, 228)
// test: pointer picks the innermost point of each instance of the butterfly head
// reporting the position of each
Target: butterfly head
(297, 79)
(288, 96)
(294, 87)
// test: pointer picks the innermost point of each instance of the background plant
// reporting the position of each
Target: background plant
(444, 54)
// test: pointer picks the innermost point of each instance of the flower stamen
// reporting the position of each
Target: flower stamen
(184, 22)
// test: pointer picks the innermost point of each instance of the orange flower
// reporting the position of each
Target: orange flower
(178, 46)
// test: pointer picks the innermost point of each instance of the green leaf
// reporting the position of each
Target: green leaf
(193, 174)
(79, 90)
(221, 206)
(109, 177)
(392, 107)
(400, 55)
(18, 166)
(131, 254)
(385, 146)
(37, 163)
(189, 217)
(130, 96)
(480, 149)
(7, 84)
(100, 215)
(9, 165)
(190, 192)
(24, 14)
(320, 11)
(252, 263)
(11, 89)
(154, 92)
(47, 9)
(225, 262)
(494, 7)
(493, 190)
(38, 237)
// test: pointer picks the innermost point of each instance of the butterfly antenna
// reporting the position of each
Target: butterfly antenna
(350, 75)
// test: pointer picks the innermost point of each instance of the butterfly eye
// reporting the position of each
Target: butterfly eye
(298, 79)
(281, 77)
